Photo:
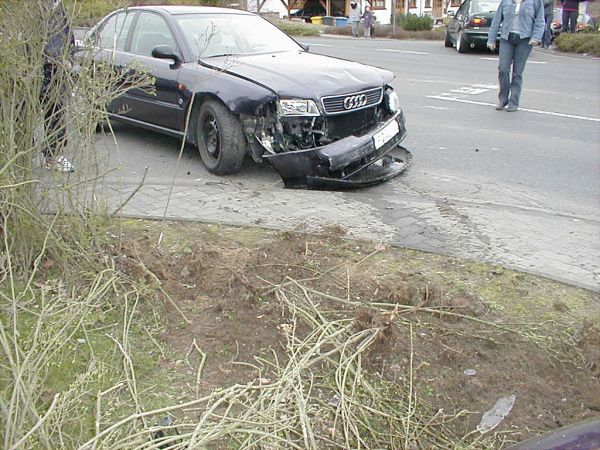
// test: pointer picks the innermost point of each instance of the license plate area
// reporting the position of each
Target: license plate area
(384, 135)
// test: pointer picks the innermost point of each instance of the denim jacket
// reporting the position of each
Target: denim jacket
(531, 20)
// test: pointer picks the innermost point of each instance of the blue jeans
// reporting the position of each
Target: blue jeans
(514, 52)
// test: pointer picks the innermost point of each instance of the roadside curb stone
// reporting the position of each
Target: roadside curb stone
(484, 233)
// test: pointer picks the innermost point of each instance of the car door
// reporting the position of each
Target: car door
(108, 41)
(462, 14)
(156, 106)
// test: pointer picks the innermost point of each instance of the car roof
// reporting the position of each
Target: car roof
(176, 10)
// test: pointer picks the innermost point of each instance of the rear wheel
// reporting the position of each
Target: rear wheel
(221, 141)
(462, 45)
(447, 40)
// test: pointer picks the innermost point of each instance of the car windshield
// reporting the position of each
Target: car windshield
(232, 34)
(485, 5)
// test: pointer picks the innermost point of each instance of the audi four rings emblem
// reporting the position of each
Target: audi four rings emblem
(355, 101)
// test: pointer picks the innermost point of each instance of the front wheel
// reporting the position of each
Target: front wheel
(221, 141)
(461, 43)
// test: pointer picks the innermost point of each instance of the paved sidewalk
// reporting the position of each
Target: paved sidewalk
(563, 248)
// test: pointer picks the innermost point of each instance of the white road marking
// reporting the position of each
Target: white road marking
(536, 111)
(441, 108)
(469, 90)
(491, 59)
(320, 45)
(485, 86)
(401, 51)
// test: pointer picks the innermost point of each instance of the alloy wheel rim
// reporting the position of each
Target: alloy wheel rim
(210, 131)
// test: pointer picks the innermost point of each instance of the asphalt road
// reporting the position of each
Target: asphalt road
(520, 189)
(533, 159)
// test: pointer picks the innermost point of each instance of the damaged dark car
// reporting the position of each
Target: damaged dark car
(244, 87)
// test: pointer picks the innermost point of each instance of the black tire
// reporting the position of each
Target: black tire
(462, 44)
(447, 40)
(221, 140)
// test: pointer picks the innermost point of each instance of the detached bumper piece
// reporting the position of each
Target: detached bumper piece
(352, 162)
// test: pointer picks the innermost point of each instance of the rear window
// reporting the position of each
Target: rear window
(485, 5)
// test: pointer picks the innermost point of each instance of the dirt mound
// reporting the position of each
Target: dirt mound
(223, 281)
(588, 341)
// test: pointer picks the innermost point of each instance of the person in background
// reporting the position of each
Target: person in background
(373, 26)
(570, 11)
(354, 18)
(548, 17)
(523, 26)
(368, 20)
(57, 52)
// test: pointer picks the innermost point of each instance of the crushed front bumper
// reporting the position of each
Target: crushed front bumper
(352, 162)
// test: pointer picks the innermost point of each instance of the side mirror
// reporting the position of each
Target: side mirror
(165, 52)
(304, 46)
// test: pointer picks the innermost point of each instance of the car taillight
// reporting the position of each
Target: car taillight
(477, 22)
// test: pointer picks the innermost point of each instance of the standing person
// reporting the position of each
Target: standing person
(570, 11)
(522, 27)
(57, 52)
(368, 21)
(354, 18)
(373, 26)
(548, 17)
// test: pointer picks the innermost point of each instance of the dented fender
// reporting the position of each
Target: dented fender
(241, 95)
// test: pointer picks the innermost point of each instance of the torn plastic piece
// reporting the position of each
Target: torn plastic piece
(492, 418)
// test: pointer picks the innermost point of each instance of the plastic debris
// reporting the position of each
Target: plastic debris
(492, 418)
(334, 401)
(470, 372)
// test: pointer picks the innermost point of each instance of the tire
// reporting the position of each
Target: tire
(447, 41)
(462, 45)
(221, 141)
(102, 125)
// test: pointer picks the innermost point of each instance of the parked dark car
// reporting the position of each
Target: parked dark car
(469, 27)
(320, 121)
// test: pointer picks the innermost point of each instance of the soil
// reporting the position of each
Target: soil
(220, 279)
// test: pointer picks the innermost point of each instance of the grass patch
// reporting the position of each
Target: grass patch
(588, 43)
(292, 340)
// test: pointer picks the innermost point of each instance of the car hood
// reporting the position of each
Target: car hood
(302, 74)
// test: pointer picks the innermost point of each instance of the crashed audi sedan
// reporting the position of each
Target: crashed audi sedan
(244, 87)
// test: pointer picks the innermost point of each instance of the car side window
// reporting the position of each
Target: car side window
(151, 30)
(462, 11)
(114, 32)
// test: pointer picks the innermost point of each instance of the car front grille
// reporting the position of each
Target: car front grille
(342, 104)
(354, 123)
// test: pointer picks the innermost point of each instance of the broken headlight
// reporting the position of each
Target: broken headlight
(391, 100)
(298, 107)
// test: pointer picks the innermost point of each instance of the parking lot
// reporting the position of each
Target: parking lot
(518, 189)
